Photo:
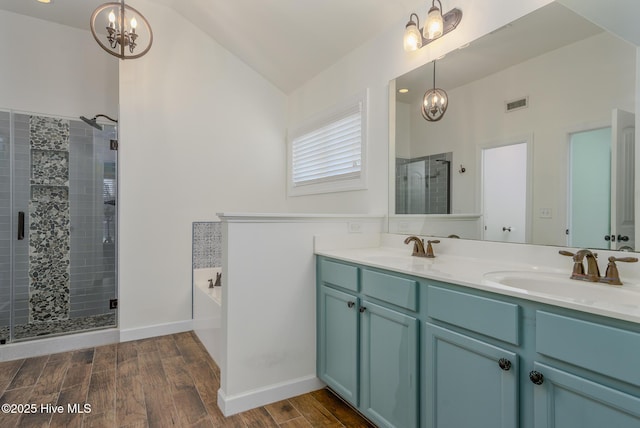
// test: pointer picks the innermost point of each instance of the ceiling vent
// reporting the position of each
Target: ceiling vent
(518, 104)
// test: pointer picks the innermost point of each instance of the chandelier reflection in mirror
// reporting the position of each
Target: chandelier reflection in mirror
(435, 101)
(121, 30)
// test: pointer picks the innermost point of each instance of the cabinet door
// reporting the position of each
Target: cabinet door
(338, 342)
(389, 371)
(470, 383)
(564, 400)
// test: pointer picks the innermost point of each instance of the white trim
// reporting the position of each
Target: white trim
(54, 345)
(293, 217)
(155, 330)
(230, 405)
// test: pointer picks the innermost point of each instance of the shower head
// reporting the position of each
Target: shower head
(91, 122)
(94, 123)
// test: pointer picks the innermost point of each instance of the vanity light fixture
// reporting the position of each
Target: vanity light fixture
(435, 101)
(124, 30)
(437, 25)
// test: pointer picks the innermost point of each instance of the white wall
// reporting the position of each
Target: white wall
(200, 133)
(53, 69)
(269, 304)
(372, 66)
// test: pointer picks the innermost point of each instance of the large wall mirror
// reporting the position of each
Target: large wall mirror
(537, 143)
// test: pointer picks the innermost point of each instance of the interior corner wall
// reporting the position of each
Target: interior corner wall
(201, 133)
(372, 66)
(53, 69)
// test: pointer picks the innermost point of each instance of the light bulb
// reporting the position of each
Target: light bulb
(112, 19)
(434, 24)
(134, 23)
(412, 37)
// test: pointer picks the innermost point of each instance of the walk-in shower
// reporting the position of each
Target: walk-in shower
(58, 226)
(423, 185)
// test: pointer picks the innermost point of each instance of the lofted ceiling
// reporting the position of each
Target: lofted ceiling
(290, 41)
(286, 41)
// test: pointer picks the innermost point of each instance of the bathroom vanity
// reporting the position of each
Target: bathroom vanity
(459, 342)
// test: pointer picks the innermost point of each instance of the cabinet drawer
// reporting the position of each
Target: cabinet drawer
(490, 317)
(398, 291)
(607, 350)
(339, 274)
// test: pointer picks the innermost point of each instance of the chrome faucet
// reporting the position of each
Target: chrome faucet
(611, 276)
(418, 246)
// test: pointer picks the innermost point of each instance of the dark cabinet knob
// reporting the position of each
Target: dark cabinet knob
(362, 309)
(536, 377)
(623, 238)
(504, 364)
(607, 238)
(351, 304)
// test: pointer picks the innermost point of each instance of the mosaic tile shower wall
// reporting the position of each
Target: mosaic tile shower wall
(49, 228)
(207, 244)
(61, 277)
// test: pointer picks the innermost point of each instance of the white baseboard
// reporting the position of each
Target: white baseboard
(53, 345)
(260, 397)
(155, 330)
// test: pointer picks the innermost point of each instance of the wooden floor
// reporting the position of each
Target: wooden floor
(167, 381)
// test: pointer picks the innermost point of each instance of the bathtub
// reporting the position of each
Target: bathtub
(207, 311)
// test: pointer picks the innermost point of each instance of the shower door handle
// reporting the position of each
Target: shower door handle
(20, 225)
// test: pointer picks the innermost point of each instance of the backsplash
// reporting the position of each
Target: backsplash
(207, 244)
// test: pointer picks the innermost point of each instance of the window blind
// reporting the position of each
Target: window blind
(331, 151)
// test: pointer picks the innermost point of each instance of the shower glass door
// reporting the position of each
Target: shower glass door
(59, 242)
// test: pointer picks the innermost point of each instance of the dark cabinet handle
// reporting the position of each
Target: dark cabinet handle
(362, 309)
(504, 364)
(506, 229)
(20, 225)
(623, 238)
(536, 377)
(351, 304)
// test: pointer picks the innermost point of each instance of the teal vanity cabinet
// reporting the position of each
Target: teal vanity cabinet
(368, 341)
(582, 372)
(409, 352)
(471, 383)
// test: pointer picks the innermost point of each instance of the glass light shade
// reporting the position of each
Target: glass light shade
(434, 24)
(434, 104)
(412, 37)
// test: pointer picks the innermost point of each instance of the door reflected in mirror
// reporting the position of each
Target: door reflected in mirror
(571, 77)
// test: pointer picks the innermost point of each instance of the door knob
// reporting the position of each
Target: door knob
(536, 377)
(504, 364)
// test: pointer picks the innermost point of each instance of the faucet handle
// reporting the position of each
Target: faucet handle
(578, 267)
(612, 276)
(430, 248)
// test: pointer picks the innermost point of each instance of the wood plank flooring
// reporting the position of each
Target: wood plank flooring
(166, 381)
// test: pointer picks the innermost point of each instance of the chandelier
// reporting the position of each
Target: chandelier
(127, 33)
(435, 101)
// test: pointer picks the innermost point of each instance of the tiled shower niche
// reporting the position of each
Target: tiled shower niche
(61, 276)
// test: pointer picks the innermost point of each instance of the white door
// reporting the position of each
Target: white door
(622, 179)
(504, 192)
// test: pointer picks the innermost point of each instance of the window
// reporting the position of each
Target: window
(327, 154)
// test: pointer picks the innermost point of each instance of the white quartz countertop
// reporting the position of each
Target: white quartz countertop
(549, 285)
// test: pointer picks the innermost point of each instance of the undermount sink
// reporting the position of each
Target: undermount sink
(557, 284)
